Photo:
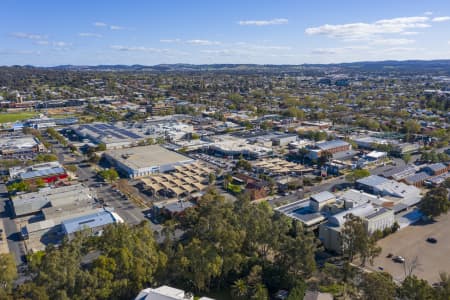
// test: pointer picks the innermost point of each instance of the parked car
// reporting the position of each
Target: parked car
(432, 240)
(398, 259)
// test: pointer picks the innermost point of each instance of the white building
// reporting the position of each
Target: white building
(143, 161)
(166, 293)
(374, 218)
(320, 200)
(399, 194)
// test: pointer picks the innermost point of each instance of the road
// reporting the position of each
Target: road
(15, 245)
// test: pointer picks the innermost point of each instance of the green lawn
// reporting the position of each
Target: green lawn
(12, 117)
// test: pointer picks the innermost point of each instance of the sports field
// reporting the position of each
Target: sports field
(12, 117)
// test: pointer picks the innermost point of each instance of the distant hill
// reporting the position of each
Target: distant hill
(413, 66)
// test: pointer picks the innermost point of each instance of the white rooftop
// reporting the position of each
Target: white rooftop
(163, 293)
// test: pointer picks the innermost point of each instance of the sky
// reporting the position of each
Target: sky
(149, 32)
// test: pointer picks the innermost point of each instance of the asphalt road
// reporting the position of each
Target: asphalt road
(15, 245)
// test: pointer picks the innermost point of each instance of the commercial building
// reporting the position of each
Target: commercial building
(320, 200)
(417, 179)
(145, 160)
(369, 142)
(93, 222)
(48, 172)
(399, 194)
(40, 123)
(333, 147)
(284, 139)
(278, 166)
(166, 293)
(20, 146)
(399, 173)
(114, 137)
(121, 135)
(31, 203)
(232, 146)
(54, 206)
(436, 169)
(374, 218)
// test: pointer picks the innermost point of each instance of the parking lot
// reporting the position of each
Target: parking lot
(410, 243)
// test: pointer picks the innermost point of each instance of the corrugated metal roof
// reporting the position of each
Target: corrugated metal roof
(417, 178)
(322, 196)
(89, 221)
(372, 180)
(42, 173)
(332, 144)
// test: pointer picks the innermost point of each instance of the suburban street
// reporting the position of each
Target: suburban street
(15, 245)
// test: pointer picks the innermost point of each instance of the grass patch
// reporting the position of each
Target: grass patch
(13, 117)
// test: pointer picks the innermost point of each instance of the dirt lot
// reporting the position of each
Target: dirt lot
(411, 242)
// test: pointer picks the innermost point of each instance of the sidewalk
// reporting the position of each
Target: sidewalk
(3, 241)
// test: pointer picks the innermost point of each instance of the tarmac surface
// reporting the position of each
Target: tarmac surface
(410, 243)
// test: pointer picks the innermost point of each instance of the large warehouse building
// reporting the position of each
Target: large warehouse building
(143, 161)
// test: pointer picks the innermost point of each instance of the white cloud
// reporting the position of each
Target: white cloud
(19, 52)
(28, 36)
(391, 42)
(326, 51)
(170, 40)
(220, 52)
(261, 47)
(143, 49)
(134, 48)
(89, 34)
(409, 33)
(115, 27)
(441, 19)
(100, 24)
(41, 42)
(202, 42)
(428, 13)
(341, 50)
(364, 31)
(61, 44)
(278, 21)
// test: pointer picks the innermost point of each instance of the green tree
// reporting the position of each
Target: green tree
(211, 178)
(8, 273)
(406, 158)
(357, 174)
(413, 288)
(101, 147)
(18, 186)
(356, 241)
(435, 202)
(379, 286)
(243, 164)
(239, 289)
(443, 291)
(298, 292)
(109, 174)
(39, 182)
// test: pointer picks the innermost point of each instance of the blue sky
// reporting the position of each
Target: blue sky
(47, 33)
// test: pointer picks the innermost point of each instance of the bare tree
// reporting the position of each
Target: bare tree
(411, 265)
